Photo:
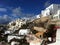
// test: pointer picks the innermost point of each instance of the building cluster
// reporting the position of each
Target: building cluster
(16, 24)
(53, 9)
(39, 31)
(54, 12)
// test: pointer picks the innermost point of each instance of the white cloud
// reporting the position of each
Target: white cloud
(47, 3)
(17, 11)
(3, 9)
(5, 18)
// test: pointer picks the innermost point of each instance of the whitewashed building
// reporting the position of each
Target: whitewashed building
(15, 25)
(24, 31)
(51, 10)
(57, 15)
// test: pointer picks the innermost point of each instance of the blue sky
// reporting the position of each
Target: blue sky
(11, 9)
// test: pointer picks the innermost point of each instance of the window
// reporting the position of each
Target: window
(13, 24)
(40, 36)
(59, 15)
(56, 17)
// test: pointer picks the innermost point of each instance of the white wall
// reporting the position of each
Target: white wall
(51, 9)
(45, 12)
(57, 15)
(24, 31)
(57, 38)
